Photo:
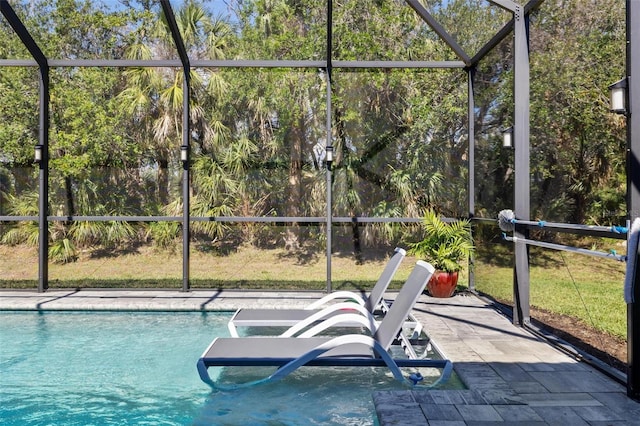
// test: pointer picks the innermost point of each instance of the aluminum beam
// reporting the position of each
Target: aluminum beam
(186, 132)
(522, 167)
(329, 143)
(43, 141)
(471, 135)
(205, 63)
(399, 64)
(521, 285)
(633, 187)
(491, 44)
(435, 26)
(502, 33)
(315, 220)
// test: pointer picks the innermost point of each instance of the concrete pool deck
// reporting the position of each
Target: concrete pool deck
(513, 376)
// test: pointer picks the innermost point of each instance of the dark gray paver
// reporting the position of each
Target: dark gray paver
(401, 414)
(528, 387)
(511, 372)
(441, 412)
(560, 400)
(501, 397)
(599, 414)
(517, 413)
(619, 402)
(575, 381)
(564, 416)
(485, 413)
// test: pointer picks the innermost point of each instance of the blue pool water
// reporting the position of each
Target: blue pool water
(140, 368)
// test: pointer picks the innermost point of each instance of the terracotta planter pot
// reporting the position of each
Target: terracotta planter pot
(442, 284)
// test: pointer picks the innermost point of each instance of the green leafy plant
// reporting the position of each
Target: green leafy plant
(25, 232)
(63, 251)
(163, 234)
(444, 244)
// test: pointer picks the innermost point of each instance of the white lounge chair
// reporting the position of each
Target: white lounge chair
(312, 313)
(290, 353)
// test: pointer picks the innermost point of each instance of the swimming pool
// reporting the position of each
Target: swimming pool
(105, 368)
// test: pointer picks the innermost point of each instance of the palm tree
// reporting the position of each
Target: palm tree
(154, 95)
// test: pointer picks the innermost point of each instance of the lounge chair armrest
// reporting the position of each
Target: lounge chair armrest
(347, 339)
(336, 295)
(329, 313)
(344, 319)
(231, 326)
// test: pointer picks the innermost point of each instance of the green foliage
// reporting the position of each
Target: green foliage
(25, 232)
(119, 233)
(163, 234)
(88, 233)
(399, 135)
(380, 233)
(444, 244)
(577, 51)
(62, 251)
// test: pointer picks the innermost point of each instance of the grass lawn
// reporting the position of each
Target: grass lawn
(587, 288)
(583, 287)
(246, 268)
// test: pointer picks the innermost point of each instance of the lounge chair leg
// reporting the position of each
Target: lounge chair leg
(204, 374)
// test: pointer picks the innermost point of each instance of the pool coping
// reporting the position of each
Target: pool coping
(151, 300)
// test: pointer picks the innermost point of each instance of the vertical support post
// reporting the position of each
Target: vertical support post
(186, 223)
(43, 183)
(632, 103)
(329, 215)
(521, 142)
(471, 134)
(329, 142)
(186, 133)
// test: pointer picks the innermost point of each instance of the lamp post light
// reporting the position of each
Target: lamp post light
(329, 156)
(184, 154)
(618, 91)
(507, 137)
(38, 153)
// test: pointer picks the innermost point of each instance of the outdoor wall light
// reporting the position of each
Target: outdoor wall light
(184, 153)
(329, 156)
(507, 137)
(618, 91)
(274, 121)
(38, 153)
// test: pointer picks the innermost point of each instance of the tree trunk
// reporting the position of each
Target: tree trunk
(68, 194)
(163, 181)
(344, 153)
(292, 235)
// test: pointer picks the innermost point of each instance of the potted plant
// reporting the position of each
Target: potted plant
(444, 245)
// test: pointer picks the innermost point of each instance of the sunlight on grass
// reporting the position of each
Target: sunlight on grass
(584, 287)
(246, 268)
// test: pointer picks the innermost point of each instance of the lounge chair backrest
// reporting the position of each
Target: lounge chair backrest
(377, 292)
(403, 304)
